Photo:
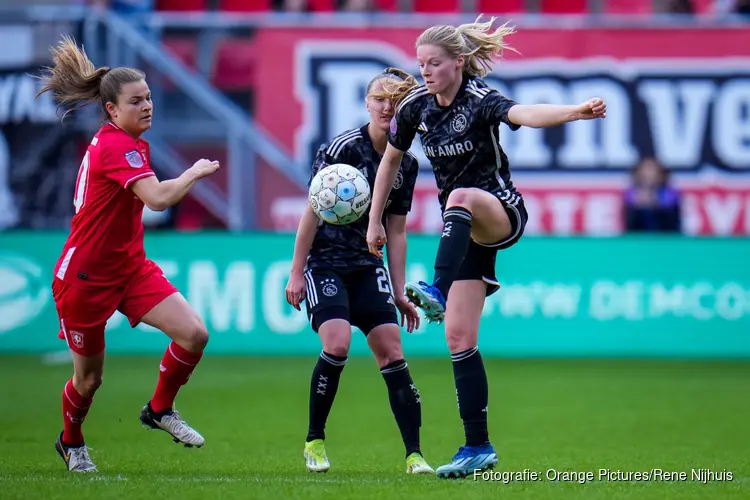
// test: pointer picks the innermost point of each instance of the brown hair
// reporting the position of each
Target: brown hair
(646, 162)
(75, 82)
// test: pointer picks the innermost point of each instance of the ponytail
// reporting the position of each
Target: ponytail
(483, 45)
(75, 82)
(476, 41)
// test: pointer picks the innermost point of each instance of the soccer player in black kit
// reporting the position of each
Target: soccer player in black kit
(458, 118)
(345, 284)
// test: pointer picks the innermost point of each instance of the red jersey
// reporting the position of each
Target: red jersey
(105, 244)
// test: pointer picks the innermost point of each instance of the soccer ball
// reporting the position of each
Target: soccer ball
(339, 194)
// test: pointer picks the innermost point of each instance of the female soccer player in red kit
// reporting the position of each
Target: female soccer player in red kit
(103, 265)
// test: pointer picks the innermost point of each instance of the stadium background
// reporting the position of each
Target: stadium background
(259, 84)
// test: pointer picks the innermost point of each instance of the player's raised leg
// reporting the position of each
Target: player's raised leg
(470, 213)
(385, 342)
(465, 303)
(181, 323)
(152, 299)
(336, 336)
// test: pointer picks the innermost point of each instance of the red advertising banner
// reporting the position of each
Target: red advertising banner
(680, 95)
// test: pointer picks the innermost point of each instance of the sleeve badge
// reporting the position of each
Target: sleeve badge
(134, 159)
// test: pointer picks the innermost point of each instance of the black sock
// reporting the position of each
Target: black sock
(405, 403)
(454, 243)
(473, 395)
(323, 386)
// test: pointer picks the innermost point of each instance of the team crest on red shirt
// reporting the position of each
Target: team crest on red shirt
(77, 339)
(135, 159)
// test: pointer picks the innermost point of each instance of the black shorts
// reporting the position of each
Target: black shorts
(480, 260)
(361, 295)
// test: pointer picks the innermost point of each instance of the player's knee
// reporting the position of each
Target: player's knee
(87, 384)
(337, 348)
(460, 338)
(196, 335)
(336, 336)
(336, 341)
(460, 197)
(385, 343)
(338, 345)
(387, 358)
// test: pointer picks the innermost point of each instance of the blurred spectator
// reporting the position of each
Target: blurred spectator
(680, 7)
(126, 6)
(651, 204)
(355, 5)
(741, 7)
(291, 5)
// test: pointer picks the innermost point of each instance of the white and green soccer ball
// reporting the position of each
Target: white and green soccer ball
(339, 194)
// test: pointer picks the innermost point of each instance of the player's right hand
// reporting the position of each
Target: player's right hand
(295, 290)
(409, 314)
(376, 238)
(204, 167)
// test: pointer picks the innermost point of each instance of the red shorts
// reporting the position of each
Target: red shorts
(84, 311)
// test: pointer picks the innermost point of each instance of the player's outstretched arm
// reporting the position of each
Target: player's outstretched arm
(384, 179)
(550, 115)
(295, 287)
(396, 250)
(159, 196)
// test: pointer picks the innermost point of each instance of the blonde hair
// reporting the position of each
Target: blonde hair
(75, 82)
(475, 41)
(396, 84)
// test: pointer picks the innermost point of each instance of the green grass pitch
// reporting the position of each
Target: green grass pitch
(566, 415)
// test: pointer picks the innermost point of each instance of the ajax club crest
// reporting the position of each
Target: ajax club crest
(328, 287)
(459, 123)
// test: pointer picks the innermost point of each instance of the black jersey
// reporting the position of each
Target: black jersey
(342, 246)
(461, 140)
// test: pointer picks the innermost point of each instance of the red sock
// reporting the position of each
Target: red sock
(174, 372)
(74, 407)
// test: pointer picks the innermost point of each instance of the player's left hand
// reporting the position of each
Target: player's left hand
(203, 168)
(409, 314)
(593, 108)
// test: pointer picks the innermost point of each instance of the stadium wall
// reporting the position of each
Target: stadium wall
(667, 96)
(560, 297)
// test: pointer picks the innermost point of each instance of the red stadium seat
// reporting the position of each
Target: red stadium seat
(563, 6)
(490, 7)
(628, 7)
(181, 5)
(235, 65)
(183, 49)
(386, 5)
(321, 5)
(437, 6)
(244, 5)
(703, 6)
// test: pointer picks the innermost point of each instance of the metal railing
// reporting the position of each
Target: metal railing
(188, 110)
(204, 114)
(235, 20)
